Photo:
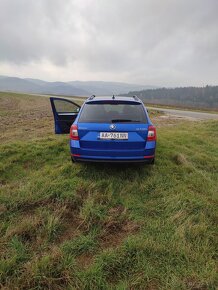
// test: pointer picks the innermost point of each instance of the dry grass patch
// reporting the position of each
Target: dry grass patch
(117, 227)
(25, 228)
(181, 159)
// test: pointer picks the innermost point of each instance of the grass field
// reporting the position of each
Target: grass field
(101, 226)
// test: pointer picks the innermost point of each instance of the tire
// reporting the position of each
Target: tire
(151, 162)
(73, 160)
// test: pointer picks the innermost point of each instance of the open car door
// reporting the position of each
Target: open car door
(65, 113)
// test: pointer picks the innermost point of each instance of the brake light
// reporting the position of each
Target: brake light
(74, 132)
(151, 133)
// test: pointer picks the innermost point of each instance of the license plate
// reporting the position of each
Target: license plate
(114, 135)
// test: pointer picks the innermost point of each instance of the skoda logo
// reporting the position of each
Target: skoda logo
(112, 127)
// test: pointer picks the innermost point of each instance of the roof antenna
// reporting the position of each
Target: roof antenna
(113, 97)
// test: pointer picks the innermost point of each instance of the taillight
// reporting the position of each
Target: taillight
(151, 133)
(74, 132)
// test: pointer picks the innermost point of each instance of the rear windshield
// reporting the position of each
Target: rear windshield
(112, 113)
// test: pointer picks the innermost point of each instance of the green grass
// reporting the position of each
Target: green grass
(102, 226)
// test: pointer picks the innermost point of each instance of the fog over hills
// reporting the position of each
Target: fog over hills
(78, 88)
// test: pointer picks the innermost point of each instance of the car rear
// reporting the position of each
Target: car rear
(113, 130)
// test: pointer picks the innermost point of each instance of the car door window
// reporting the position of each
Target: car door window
(62, 106)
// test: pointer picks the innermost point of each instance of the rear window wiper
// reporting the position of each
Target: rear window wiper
(124, 120)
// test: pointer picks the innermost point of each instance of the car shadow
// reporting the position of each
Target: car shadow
(122, 171)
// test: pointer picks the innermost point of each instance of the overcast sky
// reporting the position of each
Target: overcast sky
(151, 42)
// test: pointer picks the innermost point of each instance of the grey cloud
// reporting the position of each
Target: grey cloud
(161, 42)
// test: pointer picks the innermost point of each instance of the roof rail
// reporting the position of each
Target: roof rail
(92, 97)
(136, 98)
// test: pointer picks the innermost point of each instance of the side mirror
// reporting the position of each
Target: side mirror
(77, 110)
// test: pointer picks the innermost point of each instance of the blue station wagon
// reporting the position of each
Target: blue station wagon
(106, 129)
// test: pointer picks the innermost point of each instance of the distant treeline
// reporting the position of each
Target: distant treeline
(194, 97)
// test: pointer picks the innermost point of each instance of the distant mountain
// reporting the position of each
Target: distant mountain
(39, 87)
(36, 81)
(18, 85)
(72, 88)
(108, 88)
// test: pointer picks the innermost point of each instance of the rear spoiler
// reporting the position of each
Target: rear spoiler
(91, 101)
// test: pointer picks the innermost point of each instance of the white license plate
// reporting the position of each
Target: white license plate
(114, 135)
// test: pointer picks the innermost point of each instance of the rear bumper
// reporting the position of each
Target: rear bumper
(146, 159)
(145, 155)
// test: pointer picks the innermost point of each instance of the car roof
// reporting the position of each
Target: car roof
(113, 98)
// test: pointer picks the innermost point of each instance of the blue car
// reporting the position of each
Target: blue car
(106, 129)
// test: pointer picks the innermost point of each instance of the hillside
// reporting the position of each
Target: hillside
(101, 226)
(192, 97)
(108, 88)
(39, 87)
(73, 88)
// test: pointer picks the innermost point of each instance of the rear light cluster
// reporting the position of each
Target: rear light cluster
(151, 134)
(74, 132)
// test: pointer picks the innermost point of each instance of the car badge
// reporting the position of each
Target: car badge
(112, 127)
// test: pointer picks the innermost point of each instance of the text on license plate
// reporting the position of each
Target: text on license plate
(114, 135)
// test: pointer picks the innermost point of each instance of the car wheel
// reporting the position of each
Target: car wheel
(72, 159)
(151, 162)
